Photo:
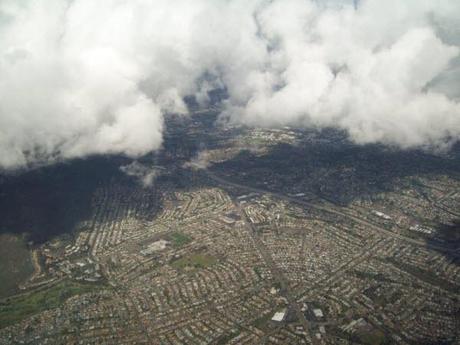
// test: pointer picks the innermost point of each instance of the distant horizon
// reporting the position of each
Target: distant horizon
(80, 79)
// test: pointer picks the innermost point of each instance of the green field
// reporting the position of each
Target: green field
(15, 263)
(261, 322)
(16, 308)
(372, 338)
(194, 261)
(179, 239)
(225, 338)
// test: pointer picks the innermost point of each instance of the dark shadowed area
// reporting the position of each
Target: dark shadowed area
(51, 200)
(333, 169)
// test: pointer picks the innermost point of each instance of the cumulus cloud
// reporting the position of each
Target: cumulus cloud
(365, 70)
(88, 77)
(83, 77)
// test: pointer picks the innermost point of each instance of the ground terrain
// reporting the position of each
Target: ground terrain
(349, 244)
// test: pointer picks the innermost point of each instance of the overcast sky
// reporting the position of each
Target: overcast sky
(86, 77)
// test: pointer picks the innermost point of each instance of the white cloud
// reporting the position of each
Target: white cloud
(365, 71)
(88, 77)
(85, 77)
(146, 175)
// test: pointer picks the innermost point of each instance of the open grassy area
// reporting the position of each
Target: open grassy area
(372, 338)
(179, 239)
(225, 338)
(15, 263)
(262, 321)
(197, 260)
(16, 308)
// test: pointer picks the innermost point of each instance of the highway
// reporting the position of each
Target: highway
(276, 273)
(335, 210)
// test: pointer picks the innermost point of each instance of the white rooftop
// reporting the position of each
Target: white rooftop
(279, 316)
(318, 312)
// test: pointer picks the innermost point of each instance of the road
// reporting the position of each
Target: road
(332, 209)
(277, 274)
(335, 210)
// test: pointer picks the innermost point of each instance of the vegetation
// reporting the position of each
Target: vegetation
(15, 263)
(179, 239)
(372, 338)
(257, 272)
(373, 276)
(14, 309)
(197, 260)
(262, 321)
(225, 338)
